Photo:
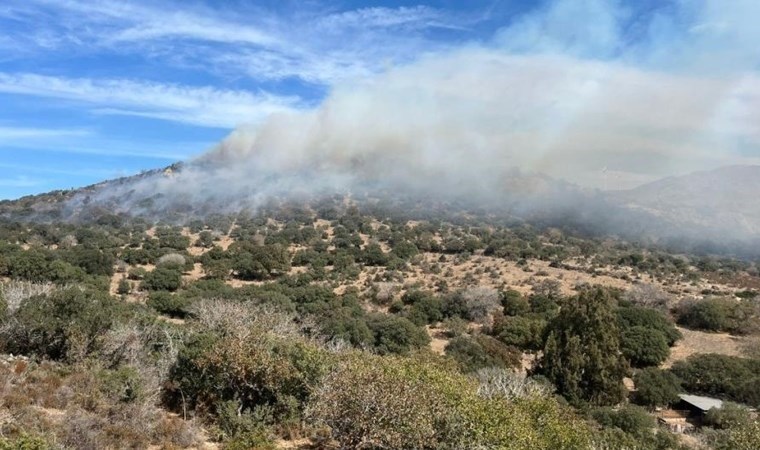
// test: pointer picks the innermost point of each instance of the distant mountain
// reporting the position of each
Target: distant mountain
(713, 212)
(720, 203)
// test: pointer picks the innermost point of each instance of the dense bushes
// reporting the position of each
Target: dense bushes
(480, 351)
(656, 387)
(644, 346)
(162, 279)
(393, 334)
(720, 314)
(727, 377)
(636, 316)
(250, 356)
(393, 402)
(63, 324)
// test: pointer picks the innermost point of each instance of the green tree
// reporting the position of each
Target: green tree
(582, 351)
(656, 387)
(644, 346)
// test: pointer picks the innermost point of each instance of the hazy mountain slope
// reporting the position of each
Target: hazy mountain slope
(724, 202)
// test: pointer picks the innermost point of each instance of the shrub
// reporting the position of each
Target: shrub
(392, 402)
(480, 352)
(631, 419)
(723, 376)
(248, 355)
(393, 334)
(173, 260)
(719, 314)
(170, 304)
(582, 351)
(656, 387)
(649, 318)
(730, 415)
(63, 324)
(644, 346)
(162, 279)
(521, 332)
(514, 303)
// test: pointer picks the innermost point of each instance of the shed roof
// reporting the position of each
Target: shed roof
(703, 403)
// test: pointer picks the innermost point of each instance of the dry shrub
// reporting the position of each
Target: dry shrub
(384, 292)
(171, 259)
(649, 295)
(502, 383)
(481, 302)
(15, 292)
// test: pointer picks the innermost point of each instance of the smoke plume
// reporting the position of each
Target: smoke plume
(588, 91)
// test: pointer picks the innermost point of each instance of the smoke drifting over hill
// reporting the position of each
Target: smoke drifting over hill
(564, 91)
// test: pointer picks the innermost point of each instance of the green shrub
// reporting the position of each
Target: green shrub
(521, 332)
(631, 419)
(656, 387)
(393, 334)
(162, 279)
(644, 346)
(480, 352)
(650, 318)
(64, 324)
(728, 377)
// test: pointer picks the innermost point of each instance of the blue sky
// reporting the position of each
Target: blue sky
(93, 90)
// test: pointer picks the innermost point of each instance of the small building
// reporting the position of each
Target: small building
(698, 405)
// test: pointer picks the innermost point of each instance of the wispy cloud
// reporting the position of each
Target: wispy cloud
(205, 106)
(310, 44)
(19, 181)
(9, 135)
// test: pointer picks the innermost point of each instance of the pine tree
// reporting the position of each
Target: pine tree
(582, 351)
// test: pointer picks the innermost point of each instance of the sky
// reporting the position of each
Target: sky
(598, 92)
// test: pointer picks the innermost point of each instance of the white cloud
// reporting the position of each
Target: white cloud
(204, 106)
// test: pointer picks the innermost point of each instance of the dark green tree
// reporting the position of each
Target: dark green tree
(656, 387)
(582, 350)
(644, 346)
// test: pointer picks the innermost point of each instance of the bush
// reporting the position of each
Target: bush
(582, 351)
(656, 387)
(481, 352)
(646, 317)
(248, 355)
(254, 262)
(730, 415)
(170, 304)
(162, 279)
(728, 377)
(392, 402)
(521, 332)
(393, 334)
(63, 324)
(719, 314)
(514, 303)
(631, 419)
(644, 346)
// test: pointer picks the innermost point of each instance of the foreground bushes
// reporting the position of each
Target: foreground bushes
(65, 324)
(394, 402)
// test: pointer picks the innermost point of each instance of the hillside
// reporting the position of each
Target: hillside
(722, 202)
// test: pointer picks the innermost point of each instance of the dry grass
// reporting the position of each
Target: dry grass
(696, 342)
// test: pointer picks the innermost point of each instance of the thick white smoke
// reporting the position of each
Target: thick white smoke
(577, 90)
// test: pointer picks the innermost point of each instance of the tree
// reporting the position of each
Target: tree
(656, 387)
(162, 279)
(125, 287)
(395, 334)
(582, 351)
(254, 262)
(650, 318)
(644, 346)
